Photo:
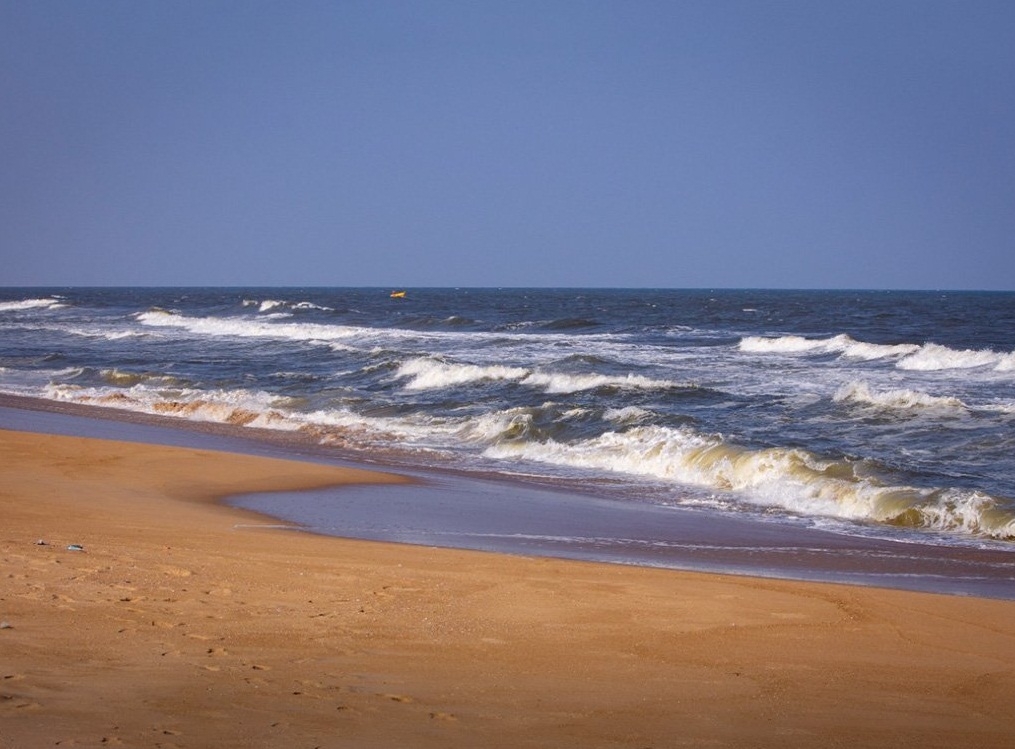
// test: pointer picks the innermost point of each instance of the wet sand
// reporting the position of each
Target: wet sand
(184, 622)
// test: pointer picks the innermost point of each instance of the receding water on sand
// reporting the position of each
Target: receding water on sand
(516, 518)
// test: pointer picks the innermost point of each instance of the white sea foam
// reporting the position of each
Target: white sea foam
(901, 399)
(873, 351)
(155, 394)
(1004, 407)
(967, 511)
(47, 303)
(790, 479)
(255, 409)
(101, 333)
(493, 427)
(933, 357)
(266, 326)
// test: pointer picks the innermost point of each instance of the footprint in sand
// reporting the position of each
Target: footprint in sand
(11, 702)
(175, 571)
(203, 638)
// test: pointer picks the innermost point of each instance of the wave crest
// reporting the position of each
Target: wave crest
(562, 383)
(428, 374)
(267, 305)
(933, 357)
(25, 304)
(841, 344)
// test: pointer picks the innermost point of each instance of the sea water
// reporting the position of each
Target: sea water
(875, 414)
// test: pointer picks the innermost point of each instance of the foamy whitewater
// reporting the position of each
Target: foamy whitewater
(873, 413)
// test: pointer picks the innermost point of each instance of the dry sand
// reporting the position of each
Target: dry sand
(187, 623)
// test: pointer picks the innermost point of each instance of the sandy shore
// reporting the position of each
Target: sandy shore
(187, 623)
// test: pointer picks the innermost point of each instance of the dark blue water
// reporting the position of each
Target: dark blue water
(884, 414)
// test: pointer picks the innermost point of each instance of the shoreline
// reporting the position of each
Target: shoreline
(183, 623)
(466, 511)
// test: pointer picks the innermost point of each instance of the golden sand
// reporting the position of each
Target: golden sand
(185, 623)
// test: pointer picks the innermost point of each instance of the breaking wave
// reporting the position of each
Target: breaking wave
(933, 357)
(902, 399)
(841, 344)
(427, 373)
(160, 396)
(243, 328)
(561, 383)
(794, 480)
(627, 415)
(267, 305)
(137, 393)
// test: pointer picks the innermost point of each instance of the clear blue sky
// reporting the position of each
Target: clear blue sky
(766, 143)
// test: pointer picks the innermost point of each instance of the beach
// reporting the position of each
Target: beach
(184, 622)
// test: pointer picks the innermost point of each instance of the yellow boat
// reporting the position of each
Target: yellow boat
(400, 294)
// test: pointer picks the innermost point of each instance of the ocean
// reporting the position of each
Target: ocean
(874, 414)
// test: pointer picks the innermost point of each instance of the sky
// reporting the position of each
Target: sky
(549, 143)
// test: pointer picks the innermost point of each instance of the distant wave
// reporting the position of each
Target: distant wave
(568, 323)
(47, 303)
(272, 325)
(104, 334)
(911, 356)
(790, 479)
(242, 327)
(268, 305)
